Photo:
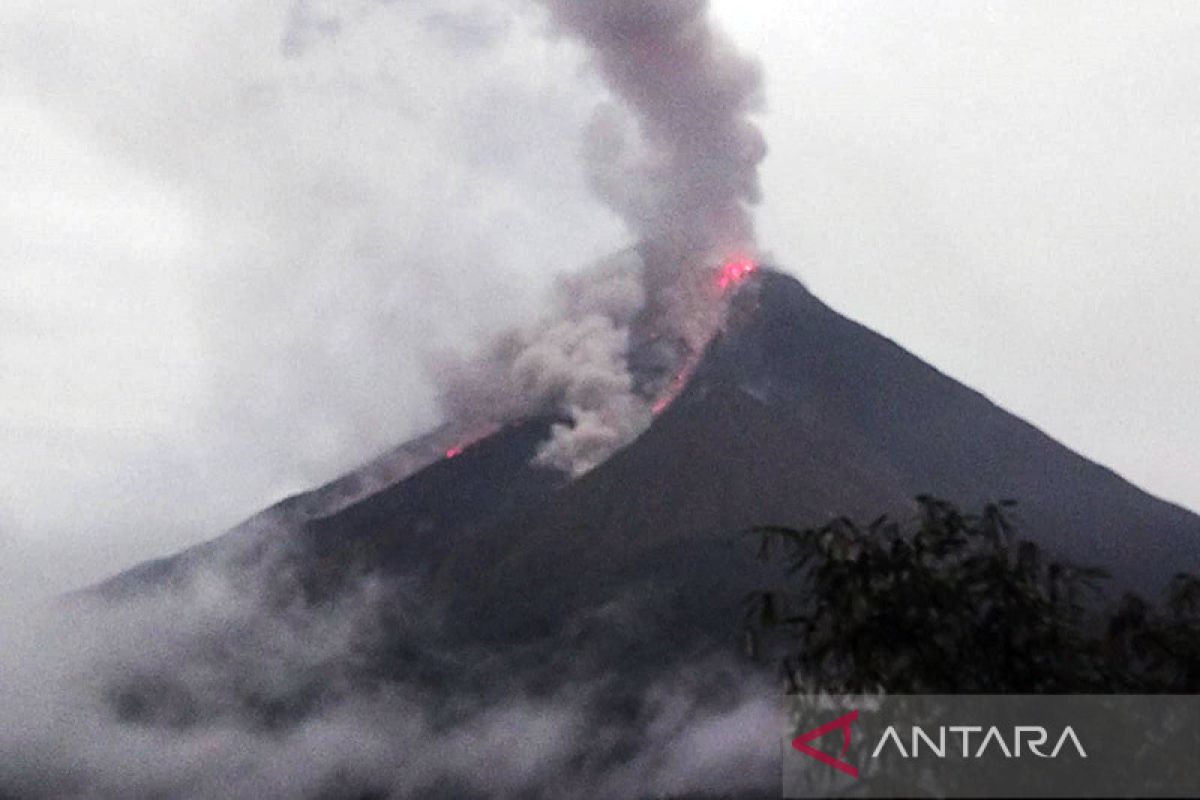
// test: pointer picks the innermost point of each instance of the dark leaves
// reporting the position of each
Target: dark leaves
(956, 602)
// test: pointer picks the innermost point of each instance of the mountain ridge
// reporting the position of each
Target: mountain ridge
(795, 414)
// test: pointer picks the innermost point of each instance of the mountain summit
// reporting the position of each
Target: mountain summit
(794, 415)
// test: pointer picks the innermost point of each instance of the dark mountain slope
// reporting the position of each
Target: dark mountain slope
(410, 527)
(948, 440)
(794, 415)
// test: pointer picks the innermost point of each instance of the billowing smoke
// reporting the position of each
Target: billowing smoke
(677, 159)
(574, 363)
(684, 179)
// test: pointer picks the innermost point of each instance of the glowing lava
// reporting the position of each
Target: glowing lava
(677, 383)
(731, 274)
(735, 271)
(466, 440)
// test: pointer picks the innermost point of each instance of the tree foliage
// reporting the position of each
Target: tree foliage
(956, 602)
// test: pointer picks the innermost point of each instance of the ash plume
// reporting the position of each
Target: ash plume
(685, 184)
(677, 159)
(573, 363)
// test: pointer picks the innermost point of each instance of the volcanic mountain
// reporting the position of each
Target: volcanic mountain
(794, 415)
(455, 581)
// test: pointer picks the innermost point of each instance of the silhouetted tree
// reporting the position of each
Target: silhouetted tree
(955, 602)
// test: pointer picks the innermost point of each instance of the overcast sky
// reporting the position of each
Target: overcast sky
(235, 236)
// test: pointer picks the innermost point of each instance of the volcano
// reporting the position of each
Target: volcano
(493, 577)
(794, 415)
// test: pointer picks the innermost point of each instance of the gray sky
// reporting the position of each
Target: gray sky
(234, 238)
(1010, 190)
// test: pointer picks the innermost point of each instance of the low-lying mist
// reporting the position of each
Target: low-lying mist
(213, 689)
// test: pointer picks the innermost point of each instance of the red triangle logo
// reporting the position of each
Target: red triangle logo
(801, 743)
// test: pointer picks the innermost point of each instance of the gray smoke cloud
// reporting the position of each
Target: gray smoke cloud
(685, 178)
(573, 362)
(676, 157)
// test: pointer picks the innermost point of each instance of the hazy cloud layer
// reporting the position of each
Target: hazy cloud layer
(232, 234)
(211, 691)
(245, 236)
